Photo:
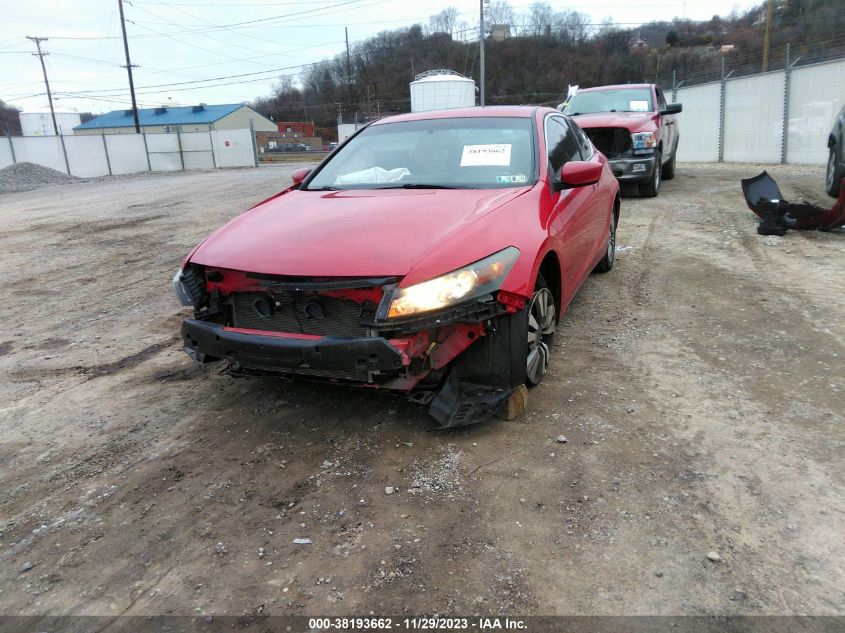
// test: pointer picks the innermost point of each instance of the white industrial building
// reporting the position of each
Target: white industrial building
(41, 123)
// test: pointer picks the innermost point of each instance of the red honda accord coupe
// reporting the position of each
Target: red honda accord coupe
(430, 254)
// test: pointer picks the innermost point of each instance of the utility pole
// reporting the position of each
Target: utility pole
(348, 66)
(766, 38)
(40, 54)
(481, 53)
(129, 68)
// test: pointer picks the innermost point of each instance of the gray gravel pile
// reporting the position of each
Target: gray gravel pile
(29, 176)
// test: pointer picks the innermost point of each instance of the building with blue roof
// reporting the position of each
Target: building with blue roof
(198, 118)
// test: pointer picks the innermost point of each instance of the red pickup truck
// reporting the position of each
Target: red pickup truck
(634, 127)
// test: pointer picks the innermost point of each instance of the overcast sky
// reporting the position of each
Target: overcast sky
(181, 42)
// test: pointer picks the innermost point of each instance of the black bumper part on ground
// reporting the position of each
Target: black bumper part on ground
(209, 341)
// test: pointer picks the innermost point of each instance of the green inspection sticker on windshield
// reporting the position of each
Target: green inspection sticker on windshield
(512, 179)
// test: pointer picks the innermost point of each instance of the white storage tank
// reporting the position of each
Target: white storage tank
(440, 90)
(41, 123)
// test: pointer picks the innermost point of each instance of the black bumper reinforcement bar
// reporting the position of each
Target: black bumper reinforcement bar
(206, 342)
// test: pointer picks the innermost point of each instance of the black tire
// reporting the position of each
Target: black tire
(501, 358)
(542, 322)
(606, 263)
(651, 188)
(669, 168)
(833, 176)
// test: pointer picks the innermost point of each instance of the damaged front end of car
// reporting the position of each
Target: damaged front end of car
(369, 332)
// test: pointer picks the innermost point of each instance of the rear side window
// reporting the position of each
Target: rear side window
(561, 143)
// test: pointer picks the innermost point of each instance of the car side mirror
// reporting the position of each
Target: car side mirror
(299, 175)
(672, 108)
(578, 174)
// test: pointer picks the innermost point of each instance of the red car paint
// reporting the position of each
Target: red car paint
(359, 233)
(416, 235)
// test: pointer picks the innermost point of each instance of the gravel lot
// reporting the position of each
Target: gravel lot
(699, 387)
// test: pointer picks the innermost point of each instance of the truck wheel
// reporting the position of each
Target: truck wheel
(651, 188)
(833, 177)
(606, 263)
(669, 168)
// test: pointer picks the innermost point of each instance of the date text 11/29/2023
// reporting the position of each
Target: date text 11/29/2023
(416, 624)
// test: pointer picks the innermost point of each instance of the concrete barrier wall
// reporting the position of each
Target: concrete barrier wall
(750, 128)
(816, 96)
(91, 156)
(754, 119)
(698, 124)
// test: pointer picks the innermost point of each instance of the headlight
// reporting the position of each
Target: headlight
(181, 289)
(644, 142)
(482, 277)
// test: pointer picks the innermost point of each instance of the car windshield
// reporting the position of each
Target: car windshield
(455, 153)
(621, 100)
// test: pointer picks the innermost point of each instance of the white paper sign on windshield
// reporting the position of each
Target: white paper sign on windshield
(496, 154)
(638, 106)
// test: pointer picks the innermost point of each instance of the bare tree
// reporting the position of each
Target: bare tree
(499, 12)
(540, 18)
(443, 22)
(9, 119)
(572, 27)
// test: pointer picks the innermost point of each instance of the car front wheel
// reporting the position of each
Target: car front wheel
(834, 178)
(541, 332)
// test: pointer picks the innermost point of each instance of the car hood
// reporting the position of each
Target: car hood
(633, 121)
(346, 233)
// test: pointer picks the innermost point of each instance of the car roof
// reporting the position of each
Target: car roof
(615, 87)
(464, 113)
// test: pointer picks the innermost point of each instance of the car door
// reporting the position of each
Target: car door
(600, 202)
(570, 218)
(667, 126)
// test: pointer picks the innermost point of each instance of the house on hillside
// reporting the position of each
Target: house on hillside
(637, 44)
(500, 32)
(198, 118)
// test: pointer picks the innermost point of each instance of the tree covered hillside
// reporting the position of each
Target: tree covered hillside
(545, 52)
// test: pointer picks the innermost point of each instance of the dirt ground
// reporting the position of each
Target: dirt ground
(699, 386)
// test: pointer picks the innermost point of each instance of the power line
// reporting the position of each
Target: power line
(322, 10)
(211, 37)
(237, 4)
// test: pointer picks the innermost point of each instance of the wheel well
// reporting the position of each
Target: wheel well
(550, 269)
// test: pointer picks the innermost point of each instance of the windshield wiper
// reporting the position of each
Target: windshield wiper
(326, 188)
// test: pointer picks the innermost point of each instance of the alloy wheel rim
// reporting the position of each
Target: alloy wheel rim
(541, 327)
(611, 242)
